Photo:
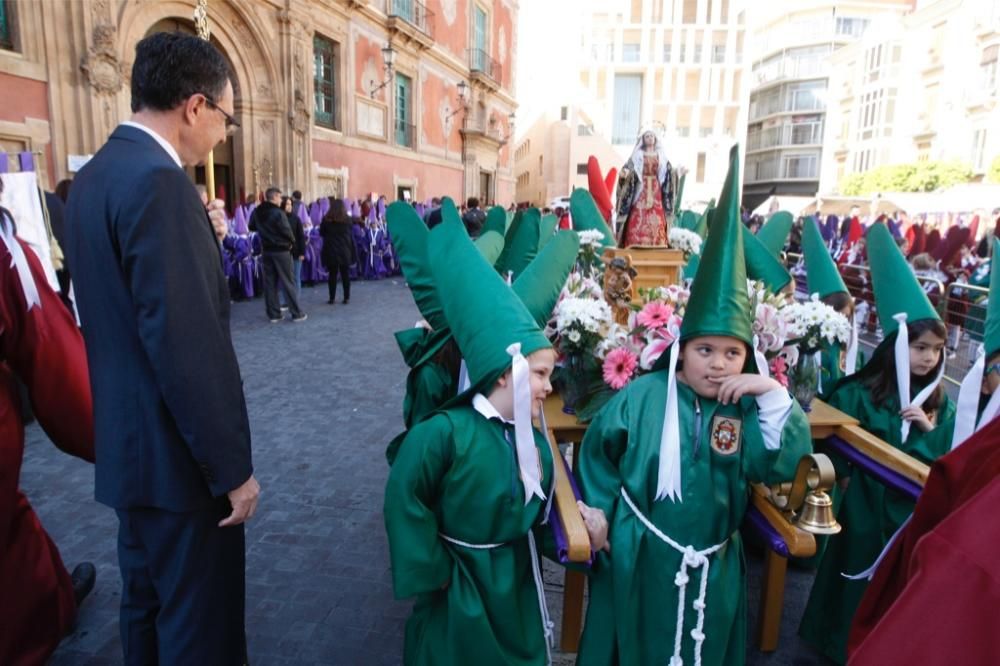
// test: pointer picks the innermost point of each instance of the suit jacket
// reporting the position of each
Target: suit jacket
(170, 418)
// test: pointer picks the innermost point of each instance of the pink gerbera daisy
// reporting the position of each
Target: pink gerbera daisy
(619, 365)
(654, 315)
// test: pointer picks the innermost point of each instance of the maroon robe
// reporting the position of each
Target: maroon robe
(44, 349)
(935, 597)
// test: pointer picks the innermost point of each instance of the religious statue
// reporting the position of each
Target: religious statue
(644, 207)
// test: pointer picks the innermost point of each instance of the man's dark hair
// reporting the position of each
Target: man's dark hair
(472, 202)
(170, 67)
(270, 193)
(435, 201)
(296, 196)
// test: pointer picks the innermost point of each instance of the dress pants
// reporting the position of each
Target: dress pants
(278, 275)
(183, 587)
(345, 276)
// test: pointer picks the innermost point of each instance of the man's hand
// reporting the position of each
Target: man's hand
(597, 526)
(731, 389)
(244, 501)
(217, 216)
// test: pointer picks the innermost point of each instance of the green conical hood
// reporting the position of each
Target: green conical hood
(705, 221)
(485, 315)
(687, 219)
(490, 245)
(409, 238)
(719, 304)
(991, 338)
(822, 276)
(496, 220)
(680, 192)
(700, 228)
(774, 234)
(547, 230)
(761, 264)
(540, 284)
(586, 216)
(522, 243)
(896, 287)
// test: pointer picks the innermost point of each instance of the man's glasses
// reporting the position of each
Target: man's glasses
(231, 123)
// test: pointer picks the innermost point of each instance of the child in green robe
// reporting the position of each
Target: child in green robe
(469, 492)
(669, 460)
(909, 362)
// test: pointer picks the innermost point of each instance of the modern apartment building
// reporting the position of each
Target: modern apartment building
(921, 87)
(550, 159)
(677, 64)
(792, 45)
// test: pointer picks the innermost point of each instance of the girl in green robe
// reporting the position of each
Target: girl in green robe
(870, 514)
(669, 460)
(469, 492)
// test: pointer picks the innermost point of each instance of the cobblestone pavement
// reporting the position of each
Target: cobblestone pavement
(324, 397)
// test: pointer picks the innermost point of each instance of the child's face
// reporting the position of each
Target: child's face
(925, 352)
(710, 359)
(991, 376)
(541, 364)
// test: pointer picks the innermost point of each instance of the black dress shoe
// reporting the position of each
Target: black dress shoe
(330, 302)
(346, 301)
(83, 578)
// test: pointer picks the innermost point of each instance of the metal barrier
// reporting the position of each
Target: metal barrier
(959, 305)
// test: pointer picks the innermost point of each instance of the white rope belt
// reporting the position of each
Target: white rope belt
(536, 570)
(691, 558)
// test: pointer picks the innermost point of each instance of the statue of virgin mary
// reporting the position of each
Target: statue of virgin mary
(644, 206)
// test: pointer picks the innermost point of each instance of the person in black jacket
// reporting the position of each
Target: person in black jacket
(299, 251)
(338, 247)
(170, 419)
(278, 242)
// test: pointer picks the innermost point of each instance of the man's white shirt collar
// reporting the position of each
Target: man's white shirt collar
(166, 145)
(481, 404)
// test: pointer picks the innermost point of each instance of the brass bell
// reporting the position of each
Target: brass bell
(817, 514)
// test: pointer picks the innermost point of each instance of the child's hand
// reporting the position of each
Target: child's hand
(597, 527)
(731, 389)
(917, 416)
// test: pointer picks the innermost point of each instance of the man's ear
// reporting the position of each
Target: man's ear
(192, 106)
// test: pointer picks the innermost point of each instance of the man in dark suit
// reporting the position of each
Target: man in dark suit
(170, 420)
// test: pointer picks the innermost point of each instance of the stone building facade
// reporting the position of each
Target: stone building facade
(307, 76)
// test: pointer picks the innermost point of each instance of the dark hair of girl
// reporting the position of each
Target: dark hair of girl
(839, 300)
(879, 374)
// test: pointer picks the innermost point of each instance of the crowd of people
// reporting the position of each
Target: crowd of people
(152, 392)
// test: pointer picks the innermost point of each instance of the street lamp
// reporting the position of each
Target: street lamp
(388, 57)
(463, 91)
(510, 131)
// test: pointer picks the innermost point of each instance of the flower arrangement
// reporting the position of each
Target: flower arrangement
(812, 323)
(684, 240)
(588, 262)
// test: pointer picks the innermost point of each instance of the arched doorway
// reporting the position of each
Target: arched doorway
(224, 155)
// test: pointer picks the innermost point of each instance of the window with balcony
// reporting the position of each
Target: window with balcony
(626, 108)
(666, 53)
(801, 166)
(479, 32)
(404, 111)
(6, 26)
(988, 69)
(807, 96)
(979, 151)
(719, 54)
(697, 54)
(326, 58)
(851, 27)
(630, 53)
(684, 132)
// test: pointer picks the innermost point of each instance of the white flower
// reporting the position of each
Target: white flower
(574, 336)
(685, 240)
(592, 238)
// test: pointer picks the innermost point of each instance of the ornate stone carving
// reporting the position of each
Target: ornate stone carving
(101, 65)
(298, 116)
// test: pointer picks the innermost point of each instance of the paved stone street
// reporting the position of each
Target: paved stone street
(324, 397)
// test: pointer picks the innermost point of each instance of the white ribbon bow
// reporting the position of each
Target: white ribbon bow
(902, 353)
(19, 262)
(524, 439)
(668, 482)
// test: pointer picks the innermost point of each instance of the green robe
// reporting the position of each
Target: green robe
(632, 615)
(457, 474)
(869, 513)
(830, 369)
